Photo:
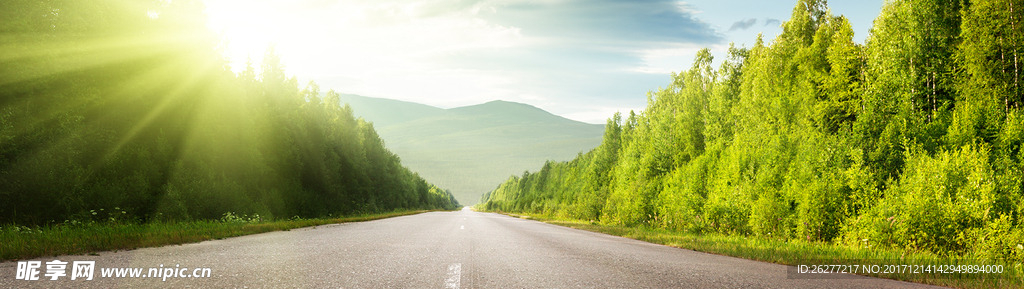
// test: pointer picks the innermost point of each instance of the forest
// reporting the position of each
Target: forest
(126, 110)
(911, 140)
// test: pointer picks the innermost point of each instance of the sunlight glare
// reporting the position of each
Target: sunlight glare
(249, 28)
(365, 37)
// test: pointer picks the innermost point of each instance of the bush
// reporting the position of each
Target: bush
(941, 205)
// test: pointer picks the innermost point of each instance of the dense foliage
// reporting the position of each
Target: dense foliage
(912, 140)
(123, 108)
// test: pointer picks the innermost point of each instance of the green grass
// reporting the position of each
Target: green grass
(790, 252)
(72, 239)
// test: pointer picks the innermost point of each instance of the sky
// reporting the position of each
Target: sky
(581, 59)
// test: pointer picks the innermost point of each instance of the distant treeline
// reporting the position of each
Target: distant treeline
(912, 140)
(125, 109)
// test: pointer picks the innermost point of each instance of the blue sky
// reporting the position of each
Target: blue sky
(582, 59)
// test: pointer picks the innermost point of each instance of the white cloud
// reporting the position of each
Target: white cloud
(356, 35)
(675, 58)
(600, 114)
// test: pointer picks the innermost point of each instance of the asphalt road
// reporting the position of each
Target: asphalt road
(462, 249)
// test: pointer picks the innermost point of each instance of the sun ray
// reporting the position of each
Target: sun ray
(65, 56)
(180, 89)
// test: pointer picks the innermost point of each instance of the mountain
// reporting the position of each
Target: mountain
(470, 150)
(385, 112)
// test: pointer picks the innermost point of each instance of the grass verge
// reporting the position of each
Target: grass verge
(790, 252)
(25, 243)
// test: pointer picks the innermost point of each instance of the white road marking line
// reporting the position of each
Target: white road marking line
(454, 276)
(462, 227)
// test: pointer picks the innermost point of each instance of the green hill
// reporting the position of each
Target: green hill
(470, 150)
(386, 112)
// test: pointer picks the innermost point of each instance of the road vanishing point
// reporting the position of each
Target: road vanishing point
(462, 249)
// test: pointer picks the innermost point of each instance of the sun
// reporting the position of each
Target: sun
(249, 28)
